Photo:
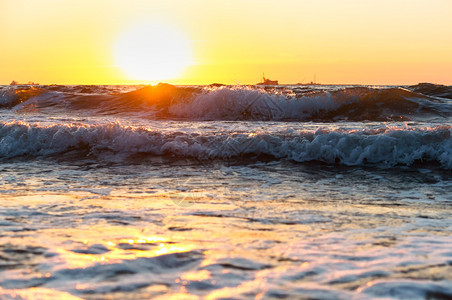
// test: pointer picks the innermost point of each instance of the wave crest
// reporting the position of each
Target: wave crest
(10, 97)
(385, 147)
(165, 101)
(431, 89)
(351, 104)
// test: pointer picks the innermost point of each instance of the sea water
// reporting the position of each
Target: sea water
(311, 192)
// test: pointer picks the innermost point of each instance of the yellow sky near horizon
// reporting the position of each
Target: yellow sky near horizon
(349, 41)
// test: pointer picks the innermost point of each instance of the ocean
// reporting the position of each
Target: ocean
(187, 192)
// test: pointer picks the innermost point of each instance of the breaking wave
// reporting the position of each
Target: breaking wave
(436, 90)
(384, 147)
(235, 103)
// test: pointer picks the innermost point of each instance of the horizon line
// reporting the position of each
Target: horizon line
(31, 83)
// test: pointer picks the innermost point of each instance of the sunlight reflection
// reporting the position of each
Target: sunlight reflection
(196, 276)
(117, 251)
(35, 293)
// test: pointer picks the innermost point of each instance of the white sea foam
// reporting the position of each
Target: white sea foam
(385, 147)
(247, 103)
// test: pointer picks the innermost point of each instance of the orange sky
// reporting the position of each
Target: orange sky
(348, 41)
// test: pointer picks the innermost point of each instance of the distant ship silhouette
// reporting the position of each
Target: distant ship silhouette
(29, 83)
(310, 83)
(266, 81)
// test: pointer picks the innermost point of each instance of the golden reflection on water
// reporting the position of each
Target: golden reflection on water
(36, 293)
(115, 228)
(123, 242)
(115, 254)
(195, 276)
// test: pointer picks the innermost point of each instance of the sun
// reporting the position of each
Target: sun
(151, 51)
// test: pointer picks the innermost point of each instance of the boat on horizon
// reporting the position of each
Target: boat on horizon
(310, 83)
(17, 83)
(266, 81)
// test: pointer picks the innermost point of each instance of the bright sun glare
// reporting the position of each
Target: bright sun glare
(152, 52)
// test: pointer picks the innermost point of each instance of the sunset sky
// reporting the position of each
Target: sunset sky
(348, 41)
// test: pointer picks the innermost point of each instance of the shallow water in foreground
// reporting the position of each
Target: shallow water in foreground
(230, 192)
(271, 229)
